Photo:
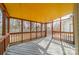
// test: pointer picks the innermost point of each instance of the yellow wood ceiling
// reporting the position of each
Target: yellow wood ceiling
(40, 12)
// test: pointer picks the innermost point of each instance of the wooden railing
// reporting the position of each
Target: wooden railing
(15, 37)
(39, 34)
(43, 33)
(25, 36)
(65, 36)
(4, 42)
(33, 35)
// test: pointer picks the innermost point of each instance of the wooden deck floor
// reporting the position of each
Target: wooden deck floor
(42, 46)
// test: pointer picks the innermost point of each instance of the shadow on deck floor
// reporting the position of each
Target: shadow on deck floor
(42, 46)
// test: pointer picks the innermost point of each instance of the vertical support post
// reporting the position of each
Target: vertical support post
(22, 29)
(3, 24)
(30, 30)
(52, 29)
(9, 28)
(4, 27)
(45, 29)
(73, 30)
(36, 30)
(8, 25)
(60, 29)
(41, 29)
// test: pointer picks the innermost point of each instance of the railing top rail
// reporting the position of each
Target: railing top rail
(62, 32)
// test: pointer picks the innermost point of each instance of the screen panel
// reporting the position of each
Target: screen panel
(56, 25)
(56, 29)
(67, 25)
(33, 30)
(43, 30)
(43, 27)
(26, 30)
(26, 26)
(67, 29)
(38, 27)
(15, 25)
(39, 30)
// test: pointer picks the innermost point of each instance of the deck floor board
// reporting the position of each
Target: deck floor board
(42, 46)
